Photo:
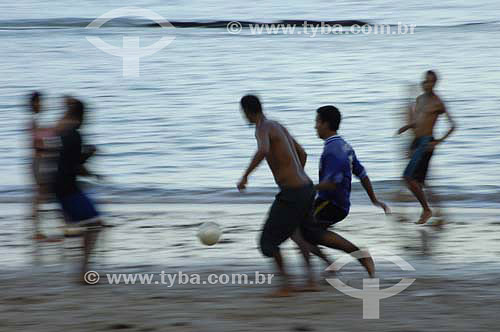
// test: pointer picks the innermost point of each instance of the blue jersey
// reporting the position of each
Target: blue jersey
(338, 163)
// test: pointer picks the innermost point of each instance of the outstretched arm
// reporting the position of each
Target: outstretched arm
(263, 142)
(405, 128)
(360, 173)
(367, 185)
(410, 118)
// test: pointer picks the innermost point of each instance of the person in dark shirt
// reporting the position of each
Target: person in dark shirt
(77, 207)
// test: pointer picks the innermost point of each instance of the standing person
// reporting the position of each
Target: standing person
(77, 207)
(428, 108)
(338, 163)
(293, 205)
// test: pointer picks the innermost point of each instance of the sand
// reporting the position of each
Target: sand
(449, 294)
(49, 301)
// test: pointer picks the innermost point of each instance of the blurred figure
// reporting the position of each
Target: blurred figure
(338, 163)
(293, 205)
(77, 207)
(428, 108)
(35, 107)
(409, 115)
(44, 142)
(406, 116)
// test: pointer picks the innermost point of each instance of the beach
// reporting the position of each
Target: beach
(172, 144)
(47, 302)
(455, 287)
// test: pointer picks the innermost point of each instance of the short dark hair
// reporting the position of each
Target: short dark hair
(331, 115)
(433, 73)
(251, 104)
(77, 110)
(34, 96)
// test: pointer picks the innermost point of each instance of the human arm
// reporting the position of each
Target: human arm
(406, 127)
(410, 118)
(300, 152)
(360, 172)
(263, 147)
(87, 152)
(367, 186)
(326, 186)
(331, 172)
(452, 128)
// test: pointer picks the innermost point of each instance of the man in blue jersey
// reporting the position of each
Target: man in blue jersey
(338, 163)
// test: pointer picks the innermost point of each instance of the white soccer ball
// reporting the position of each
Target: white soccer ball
(209, 233)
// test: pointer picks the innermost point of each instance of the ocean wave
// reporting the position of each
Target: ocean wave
(390, 190)
(130, 22)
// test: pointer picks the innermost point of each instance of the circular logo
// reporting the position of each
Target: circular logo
(91, 277)
(234, 27)
(131, 52)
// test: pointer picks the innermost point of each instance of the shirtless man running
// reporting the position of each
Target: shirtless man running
(293, 205)
(428, 108)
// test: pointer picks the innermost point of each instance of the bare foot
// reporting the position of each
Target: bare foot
(424, 217)
(369, 265)
(54, 239)
(39, 237)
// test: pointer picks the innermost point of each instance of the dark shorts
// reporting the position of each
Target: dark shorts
(292, 207)
(78, 209)
(419, 162)
(325, 214)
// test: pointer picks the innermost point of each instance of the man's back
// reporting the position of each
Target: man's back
(283, 158)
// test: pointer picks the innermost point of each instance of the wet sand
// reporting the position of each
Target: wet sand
(50, 302)
(456, 287)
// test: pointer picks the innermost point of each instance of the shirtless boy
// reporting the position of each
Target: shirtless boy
(293, 205)
(428, 108)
